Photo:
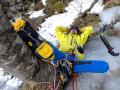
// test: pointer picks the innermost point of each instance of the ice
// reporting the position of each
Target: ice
(109, 15)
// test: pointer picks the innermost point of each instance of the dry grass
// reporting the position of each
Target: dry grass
(55, 6)
(38, 5)
(31, 85)
(90, 19)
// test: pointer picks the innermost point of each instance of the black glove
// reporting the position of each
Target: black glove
(80, 49)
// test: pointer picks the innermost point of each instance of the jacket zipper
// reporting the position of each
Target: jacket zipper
(71, 40)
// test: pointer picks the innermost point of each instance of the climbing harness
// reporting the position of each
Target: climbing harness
(65, 71)
(74, 82)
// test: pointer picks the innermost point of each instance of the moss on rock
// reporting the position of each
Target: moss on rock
(38, 5)
(90, 19)
(55, 6)
(112, 3)
(113, 32)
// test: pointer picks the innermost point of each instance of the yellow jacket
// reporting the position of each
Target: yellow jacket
(68, 42)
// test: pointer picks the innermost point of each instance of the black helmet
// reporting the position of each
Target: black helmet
(74, 27)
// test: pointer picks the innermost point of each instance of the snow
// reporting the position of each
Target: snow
(117, 26)
(98, 7)
(8, 82)
(35, 14)
(82, 5)
(47, 30)
(15, 82)
(44, 2)
(108, 15)
(95, 50)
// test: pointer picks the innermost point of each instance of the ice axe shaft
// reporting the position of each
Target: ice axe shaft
(108, 46)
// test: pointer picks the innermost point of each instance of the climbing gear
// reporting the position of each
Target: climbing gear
(108, 46)
(65, 70)
(74, 86)
(30, 43)
(54, 64)
(106, 43)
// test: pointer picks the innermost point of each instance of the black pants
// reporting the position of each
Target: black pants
(27, 38)
(29, 29)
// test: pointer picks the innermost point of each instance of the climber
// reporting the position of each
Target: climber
(41, 48)
(73, 39)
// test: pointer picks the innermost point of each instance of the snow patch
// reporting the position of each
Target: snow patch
(108, 15)
(44, 2)
(8, 82)
(117, 26)
(35, 14)
(98, 7)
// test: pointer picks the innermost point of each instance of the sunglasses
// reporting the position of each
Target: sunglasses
(73, 30)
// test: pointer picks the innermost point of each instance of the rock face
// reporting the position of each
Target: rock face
(3, 19)
(111, 3)
(38, 5)
(15, 56)
(30, 85)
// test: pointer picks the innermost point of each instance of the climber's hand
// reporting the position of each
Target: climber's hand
(80, 49)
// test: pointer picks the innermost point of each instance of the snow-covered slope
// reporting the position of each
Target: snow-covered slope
(109, 15)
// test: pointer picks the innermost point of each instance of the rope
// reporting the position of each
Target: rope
(58, 85)
(74, 85)
(54, 78)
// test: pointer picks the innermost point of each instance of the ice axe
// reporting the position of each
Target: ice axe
(106, 43)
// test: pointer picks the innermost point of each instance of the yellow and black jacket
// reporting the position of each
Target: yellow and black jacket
(69, 41)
